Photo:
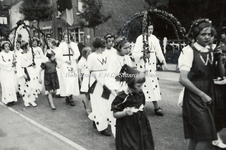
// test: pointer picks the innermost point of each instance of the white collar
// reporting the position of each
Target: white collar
(200, 47)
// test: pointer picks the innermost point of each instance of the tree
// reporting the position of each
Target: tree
(38, 10)
(160, 4)
(190, 10)
(93, 14)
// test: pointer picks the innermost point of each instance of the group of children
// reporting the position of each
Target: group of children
(112, 86)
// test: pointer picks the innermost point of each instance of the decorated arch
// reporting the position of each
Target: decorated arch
(161, 20)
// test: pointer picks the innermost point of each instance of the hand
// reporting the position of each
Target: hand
(115, 92)
(25, 76)
(164, 67)
(69, 46)
(128, 111)
(40, 81)
(206, 98)
(68, 62)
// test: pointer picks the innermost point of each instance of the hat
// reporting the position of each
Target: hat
(3, 43)
(109, 35)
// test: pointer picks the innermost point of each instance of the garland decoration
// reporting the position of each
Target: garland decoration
(148, 16)
(22, 25)
(145, 37)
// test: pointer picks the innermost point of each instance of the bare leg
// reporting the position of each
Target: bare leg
(155, 104)
(157, 109)
(50, 99)
(87, 103)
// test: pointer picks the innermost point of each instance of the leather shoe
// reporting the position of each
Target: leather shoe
(70, 101)
(105, 132)
(159, 112)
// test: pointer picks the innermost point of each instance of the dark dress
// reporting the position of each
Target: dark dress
(132, 132)
(220, 107)
(50, 76)
(198, 115)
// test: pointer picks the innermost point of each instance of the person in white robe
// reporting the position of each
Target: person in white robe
(27, 78)
(97, 65)
(17, 51)
(151, 86)
(38, 59)
(84, 77)
(110, 50)
(67, 56)
(112, 80)
(7, 74)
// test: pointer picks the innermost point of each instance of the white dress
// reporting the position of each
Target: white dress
(68, 73)
(83, 66)
(97, 65)
(17, 52)
(27, 88)
(7, 75)
(38, 59)
(151, 87)
(115, 64)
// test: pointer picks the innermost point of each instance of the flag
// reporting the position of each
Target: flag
(65, 8)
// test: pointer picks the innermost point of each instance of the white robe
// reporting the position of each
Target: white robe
(97, 65)
(115, 65)
(68, 73)
(28, 89)
(151, 87)
(38, 59)
(7, 75)
(83, 67)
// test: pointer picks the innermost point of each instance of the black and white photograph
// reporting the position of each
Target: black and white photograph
(112, 74)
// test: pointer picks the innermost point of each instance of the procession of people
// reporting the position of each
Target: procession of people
(115, 89)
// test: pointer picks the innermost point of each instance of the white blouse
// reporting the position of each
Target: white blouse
(186, 57)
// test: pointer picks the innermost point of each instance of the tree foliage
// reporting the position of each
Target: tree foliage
(94, 14)
(186, 11)
(36, 10)
(160, 4)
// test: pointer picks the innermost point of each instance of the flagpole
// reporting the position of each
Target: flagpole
(68, 35)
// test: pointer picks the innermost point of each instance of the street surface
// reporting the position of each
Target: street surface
(68, 128)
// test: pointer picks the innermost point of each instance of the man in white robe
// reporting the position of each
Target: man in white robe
(67, 56)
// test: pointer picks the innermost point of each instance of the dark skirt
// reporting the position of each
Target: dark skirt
(220, 107)
(134, 133)
(197, 115)
(51, 81)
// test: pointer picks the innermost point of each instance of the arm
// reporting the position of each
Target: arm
(191, 87)
(137, 53)
(59, 54)
(126, 112)
(75, 50)
(5, 65)
(112, 72)
(20, 71)
(160, 55)
(40, 79)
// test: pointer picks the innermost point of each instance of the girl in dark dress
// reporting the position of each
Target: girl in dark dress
(133, 130)
(50, 77)
(196, 67)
